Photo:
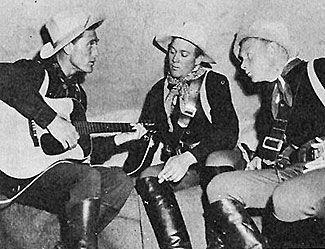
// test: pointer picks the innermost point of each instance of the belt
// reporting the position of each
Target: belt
(273, 143)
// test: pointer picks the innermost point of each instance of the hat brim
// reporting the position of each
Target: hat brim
(162, 41)
(49, 49)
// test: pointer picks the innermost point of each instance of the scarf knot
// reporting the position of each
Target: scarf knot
(179, 89)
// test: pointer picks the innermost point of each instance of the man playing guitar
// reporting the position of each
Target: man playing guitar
(44, 97)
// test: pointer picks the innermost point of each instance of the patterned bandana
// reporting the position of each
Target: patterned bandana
(180, 89)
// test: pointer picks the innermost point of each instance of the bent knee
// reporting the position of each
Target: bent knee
(151, 171)
(220, 187)
(115, 177)
(223, 158)
(291, 204)
(93, 176)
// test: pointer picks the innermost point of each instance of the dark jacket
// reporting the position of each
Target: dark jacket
(307, 119)
(221, 134)
(19, 86)
(20, 83)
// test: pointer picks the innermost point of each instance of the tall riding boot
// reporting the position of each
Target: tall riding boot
(232, 226)
(206, 175)
(164, 213)
(116, 187)
(83, 223)
(64, 233)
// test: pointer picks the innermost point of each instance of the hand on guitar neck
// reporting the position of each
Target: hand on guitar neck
(64, 132)
(137, 133)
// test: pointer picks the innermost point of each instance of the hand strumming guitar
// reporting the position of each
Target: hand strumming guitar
(176, 167)
(133, 135)
(63, 131)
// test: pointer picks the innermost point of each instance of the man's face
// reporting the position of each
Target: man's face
(255, 60)
(181, 58)
(85, 52)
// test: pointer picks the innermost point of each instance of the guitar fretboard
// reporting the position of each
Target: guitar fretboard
(85, 128)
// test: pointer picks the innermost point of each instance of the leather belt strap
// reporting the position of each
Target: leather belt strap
(273, 143)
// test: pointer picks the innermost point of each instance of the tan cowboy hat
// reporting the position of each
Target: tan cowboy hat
(65, 26)
(189, 31)
(274, 31)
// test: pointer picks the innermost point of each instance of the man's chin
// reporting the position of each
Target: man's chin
(88, 70)
(175, 75)
(254, 79)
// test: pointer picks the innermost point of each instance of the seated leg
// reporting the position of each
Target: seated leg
(164, 213)
(232, 227)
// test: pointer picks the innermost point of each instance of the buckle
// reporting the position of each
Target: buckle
(272, 143)
(189, 111)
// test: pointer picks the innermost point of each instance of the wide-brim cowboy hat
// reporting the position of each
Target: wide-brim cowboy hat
(189, 31)
(65, 26)
(274, 31)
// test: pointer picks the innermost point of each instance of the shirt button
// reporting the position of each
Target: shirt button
(187, 132)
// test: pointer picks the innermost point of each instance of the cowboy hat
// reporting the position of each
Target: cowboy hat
(273, 31)
(65, 26)
(189, 31)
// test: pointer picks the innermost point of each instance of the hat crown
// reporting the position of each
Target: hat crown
(194, 33)
(274, 31)
(62, 24)
(65, 26)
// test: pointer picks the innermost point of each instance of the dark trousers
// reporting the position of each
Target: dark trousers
(67, 184)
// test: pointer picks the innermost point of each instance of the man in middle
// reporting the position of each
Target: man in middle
(194, 115)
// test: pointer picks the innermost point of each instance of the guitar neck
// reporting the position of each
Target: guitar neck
(86, 128)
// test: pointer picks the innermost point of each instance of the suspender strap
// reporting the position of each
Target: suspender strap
(187, 114)
(191, 106)
(273, 143)
(204, 98)
(316, 84)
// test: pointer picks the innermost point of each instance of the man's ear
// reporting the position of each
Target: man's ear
(198, 60)
(68, 48)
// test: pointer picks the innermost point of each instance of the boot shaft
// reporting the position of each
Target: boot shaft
(230, 226)
(164, 213)
(82, 222)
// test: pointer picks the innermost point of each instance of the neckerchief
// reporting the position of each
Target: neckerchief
(180, 89)
(62, 86)
(282, 90)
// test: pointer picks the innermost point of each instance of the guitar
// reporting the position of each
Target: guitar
(20, 158)
(141, 153)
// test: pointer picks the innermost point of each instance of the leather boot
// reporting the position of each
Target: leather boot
(83, 224)
(232, 227)
(164, 213)
(64, 233)
(206, 175)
